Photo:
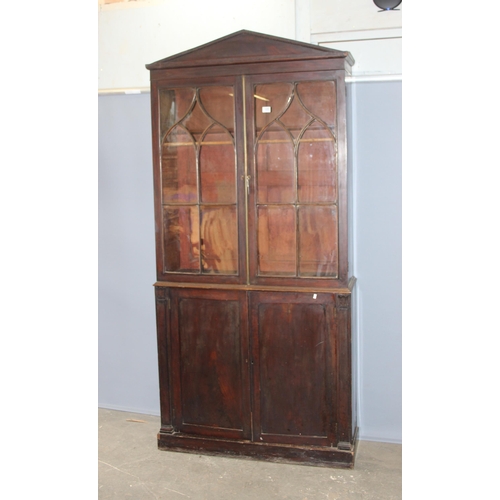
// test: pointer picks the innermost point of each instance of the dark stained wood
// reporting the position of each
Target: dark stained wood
(342, 178)
(254, 364)
(163, 76)
(210, 372)
(248, 47)
(257, 288)
(343, 363)
(319, 456)
(162, 320)
(292, 361)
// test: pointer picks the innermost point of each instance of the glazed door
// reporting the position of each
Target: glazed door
(250, 181)
(210, 363)
(295, 215)
(294, 357)
(199, 215)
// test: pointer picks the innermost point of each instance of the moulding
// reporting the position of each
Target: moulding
(117, 91)
(374, 78)
(356, 36)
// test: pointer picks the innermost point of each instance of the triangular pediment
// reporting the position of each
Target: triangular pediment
(247, 47)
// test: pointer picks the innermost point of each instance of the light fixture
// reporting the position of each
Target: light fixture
(387, 4)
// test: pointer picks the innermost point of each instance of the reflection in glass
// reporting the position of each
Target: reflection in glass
(273, 97)
(296, 170)
(217, 167)
(319, 99)
(295, 117)
(179, 168)
(174, 105)
(317, 171)
(219, 242)
(318, 241)
(198, 171)
(197, 122)
(218, 104)
(275, 167)
(276, 240)
(181, 239)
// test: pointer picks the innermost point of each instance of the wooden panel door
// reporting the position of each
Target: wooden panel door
(293, 367)
(210, 363)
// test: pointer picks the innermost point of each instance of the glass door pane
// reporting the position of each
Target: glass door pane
(317, 172)
(179, 184)
(277, 240)
(295, 161)
(275, 167)
(181, 243)
(219, 242)
(198, 178)
(318, 249)
(217, 167)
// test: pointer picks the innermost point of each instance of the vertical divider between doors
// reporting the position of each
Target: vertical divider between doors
(250, 361)
(248, 298)
(246, 180)
(198, 187)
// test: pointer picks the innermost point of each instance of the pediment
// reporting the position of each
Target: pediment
(247, 47)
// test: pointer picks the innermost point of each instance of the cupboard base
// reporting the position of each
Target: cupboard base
(271, 452)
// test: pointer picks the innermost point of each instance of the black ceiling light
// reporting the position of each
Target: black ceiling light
(387, 4)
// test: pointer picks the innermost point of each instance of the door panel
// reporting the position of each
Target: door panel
(199, 193)
(211, 370)
(294, 139)
(293, 359)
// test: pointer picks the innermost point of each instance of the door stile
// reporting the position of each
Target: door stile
(250, 179)
(253, 322)
(343, 369)
(163, 334)
(245, 185)
(341, 131)
(246, 367)
(333, 382)
(176, 361)
(155, 122)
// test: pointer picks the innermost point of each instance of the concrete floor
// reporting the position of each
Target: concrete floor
(131, 466)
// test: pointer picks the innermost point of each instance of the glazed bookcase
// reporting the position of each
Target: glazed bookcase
(253, 292)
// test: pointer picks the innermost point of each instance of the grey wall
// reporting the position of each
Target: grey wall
(127, 343)
(376, 150)
(128, 376)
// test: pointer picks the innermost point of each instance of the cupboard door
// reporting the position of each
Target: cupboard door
(296, 196)
(200, 236)
(210, 363)
(293, 367)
